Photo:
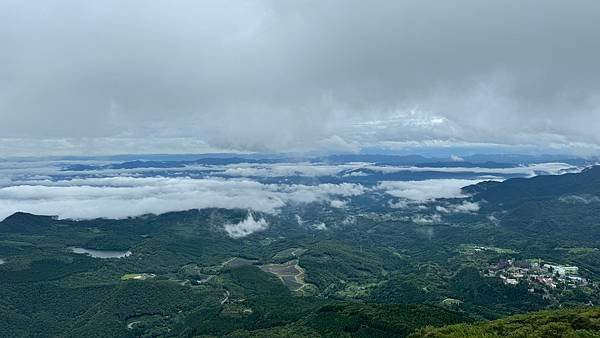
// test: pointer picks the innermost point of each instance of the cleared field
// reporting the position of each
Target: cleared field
(290, 274)
(291, 282)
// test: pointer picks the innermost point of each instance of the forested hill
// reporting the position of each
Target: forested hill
(516, 190)
(21, 222)
(541, 214)
(583, 322)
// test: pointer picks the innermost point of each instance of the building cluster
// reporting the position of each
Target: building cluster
(536, 273)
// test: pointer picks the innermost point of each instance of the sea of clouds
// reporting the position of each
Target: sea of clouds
(121, 197)
(54, 188)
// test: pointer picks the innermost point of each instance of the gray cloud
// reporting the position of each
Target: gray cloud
(80, 77)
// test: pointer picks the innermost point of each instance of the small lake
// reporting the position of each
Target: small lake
(101, 253)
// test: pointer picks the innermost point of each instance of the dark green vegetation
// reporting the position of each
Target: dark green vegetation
(545, 324)
(374, 272)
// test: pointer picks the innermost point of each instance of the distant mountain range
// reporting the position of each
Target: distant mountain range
(179, 161)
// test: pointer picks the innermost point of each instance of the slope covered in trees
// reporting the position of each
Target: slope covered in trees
(583, 322)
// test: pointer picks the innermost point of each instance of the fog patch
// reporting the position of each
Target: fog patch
(356, 174)
(316, 226)
(285, 169)
(530, 170)
(319, 226)
(400, 204)
(427, 219)
(493, 219)
(579, 199)
(466, 207)
(246, 227)
(427, 231)
(338, 203)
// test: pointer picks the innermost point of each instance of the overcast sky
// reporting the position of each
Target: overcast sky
(114, 76)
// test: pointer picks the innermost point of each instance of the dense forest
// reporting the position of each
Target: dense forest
(375, 272)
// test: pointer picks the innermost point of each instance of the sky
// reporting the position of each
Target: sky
(114, 76)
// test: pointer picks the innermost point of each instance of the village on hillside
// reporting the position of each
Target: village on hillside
(539, 276)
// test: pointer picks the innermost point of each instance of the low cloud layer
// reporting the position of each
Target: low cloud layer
(15, 171)
(526, 170)
(428, 190)
(119, 197)
(284, 169)
(43, 187)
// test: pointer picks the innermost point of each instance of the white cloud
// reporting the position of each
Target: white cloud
(427, 231)
(356, 174)
(316, 226)
(579, 199)
(120, 197)
(338, 203)
(319, 226)
(427, 220)
(285, 169)
(467, 206)
(464, 207)
(493, 219)
(349, 220)
(321, 192)
(427, 190)
(246, 227)
(527, 170)
(400, 204)
(41, 187)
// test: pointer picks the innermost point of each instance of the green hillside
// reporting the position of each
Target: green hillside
(581, 322)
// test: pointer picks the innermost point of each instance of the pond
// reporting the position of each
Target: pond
(101, 253)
